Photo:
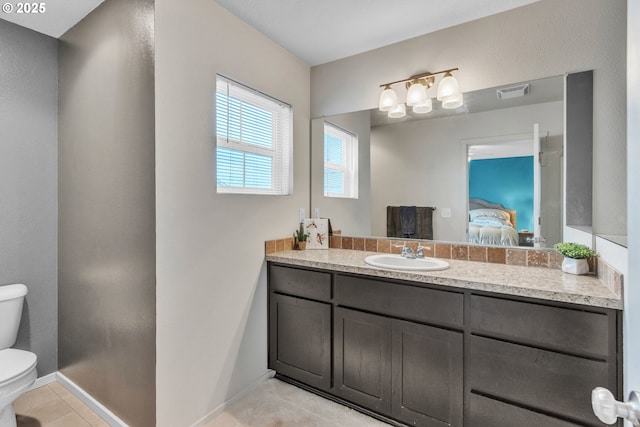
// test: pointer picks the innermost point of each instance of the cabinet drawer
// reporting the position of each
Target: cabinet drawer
(398, 300)
(553, 382)
(494, 413)
(300, 282)
(565, 329)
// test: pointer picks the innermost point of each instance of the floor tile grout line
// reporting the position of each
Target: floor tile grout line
(74, 409)
(60, 398)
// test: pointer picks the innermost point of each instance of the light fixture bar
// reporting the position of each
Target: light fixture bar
(419, 76)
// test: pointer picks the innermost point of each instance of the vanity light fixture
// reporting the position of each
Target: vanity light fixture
(398, 111)
(417, 98)
(452, 102)
(388, 99)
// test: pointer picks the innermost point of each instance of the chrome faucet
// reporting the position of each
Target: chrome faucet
(420, 253)
(408, 252)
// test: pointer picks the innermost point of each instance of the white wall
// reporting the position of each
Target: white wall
(546, 38)
(632, 281)
(351, 216)
(424, 162)
(211, 278)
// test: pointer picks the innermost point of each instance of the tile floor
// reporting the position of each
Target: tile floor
(273, 403)
(54, 406)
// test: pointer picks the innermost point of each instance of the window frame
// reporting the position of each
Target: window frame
(281, 149)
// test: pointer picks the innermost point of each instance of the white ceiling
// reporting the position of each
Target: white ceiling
(58, 17)
(314, 31)
(321, 31)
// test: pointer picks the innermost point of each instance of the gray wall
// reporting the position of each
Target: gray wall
(28, 177)
(107, 208)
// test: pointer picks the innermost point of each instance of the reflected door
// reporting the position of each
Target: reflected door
(538, 239)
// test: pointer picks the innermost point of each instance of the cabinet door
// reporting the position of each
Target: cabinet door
(300, 340)
(363, 359)
(427, 375)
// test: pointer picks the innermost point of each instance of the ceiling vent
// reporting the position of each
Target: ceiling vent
(513, 91)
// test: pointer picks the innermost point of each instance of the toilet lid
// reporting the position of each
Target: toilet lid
(15, 362)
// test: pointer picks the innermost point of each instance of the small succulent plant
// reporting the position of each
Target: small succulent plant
(300, 235)
(574, 250)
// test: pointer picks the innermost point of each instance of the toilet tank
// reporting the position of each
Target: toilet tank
(11, 299)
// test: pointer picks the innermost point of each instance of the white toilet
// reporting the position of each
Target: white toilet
(17, 367)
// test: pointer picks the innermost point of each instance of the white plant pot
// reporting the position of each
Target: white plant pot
(575, 266)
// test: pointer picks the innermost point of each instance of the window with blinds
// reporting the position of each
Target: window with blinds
(253, 141)
(340, 162)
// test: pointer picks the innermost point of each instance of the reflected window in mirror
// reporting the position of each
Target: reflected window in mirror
(340, 162)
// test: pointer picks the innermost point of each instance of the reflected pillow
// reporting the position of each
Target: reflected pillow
(491, 221)
(489, 213)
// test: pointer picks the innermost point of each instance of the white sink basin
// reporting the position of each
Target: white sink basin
(397, 262)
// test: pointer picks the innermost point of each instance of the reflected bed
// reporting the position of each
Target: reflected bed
(491, 224)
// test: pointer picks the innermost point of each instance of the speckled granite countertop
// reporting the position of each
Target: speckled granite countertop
(534, 282)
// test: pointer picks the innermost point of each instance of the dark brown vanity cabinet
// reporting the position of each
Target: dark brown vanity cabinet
(538, 362)
(434, 356)
(385, 360)
(404, 370)
(300, 327)
(362, 359)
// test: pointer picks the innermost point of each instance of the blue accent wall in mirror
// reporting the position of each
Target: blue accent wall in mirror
(508, 181)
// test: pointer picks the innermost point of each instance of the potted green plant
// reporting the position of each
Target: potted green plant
(575, 257)
(300, 238)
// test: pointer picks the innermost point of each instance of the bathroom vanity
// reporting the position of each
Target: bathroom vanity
(459, 347)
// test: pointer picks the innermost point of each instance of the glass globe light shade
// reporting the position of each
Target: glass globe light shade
(388, 99)
(448, 87)
(423, 108)
(398, 112)
(452, 102)
(416, 94)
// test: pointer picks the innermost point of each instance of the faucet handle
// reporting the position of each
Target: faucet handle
(420, 253)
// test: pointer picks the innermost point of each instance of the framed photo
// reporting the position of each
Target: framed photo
(318, 231)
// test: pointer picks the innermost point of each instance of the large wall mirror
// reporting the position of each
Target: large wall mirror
(489, 156)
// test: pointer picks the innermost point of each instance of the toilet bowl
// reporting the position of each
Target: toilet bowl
(17, 367)
(17, 374)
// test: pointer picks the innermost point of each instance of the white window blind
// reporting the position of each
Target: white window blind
(254, 140)
(340, 162)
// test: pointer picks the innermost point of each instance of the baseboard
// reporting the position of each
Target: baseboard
(47, 379)
(88, 400)
(211, 415)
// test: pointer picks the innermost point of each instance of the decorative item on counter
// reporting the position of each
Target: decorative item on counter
(318, 230)
(300, 238)
(575, 257)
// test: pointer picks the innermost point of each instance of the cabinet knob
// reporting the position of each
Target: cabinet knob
(608, 409)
